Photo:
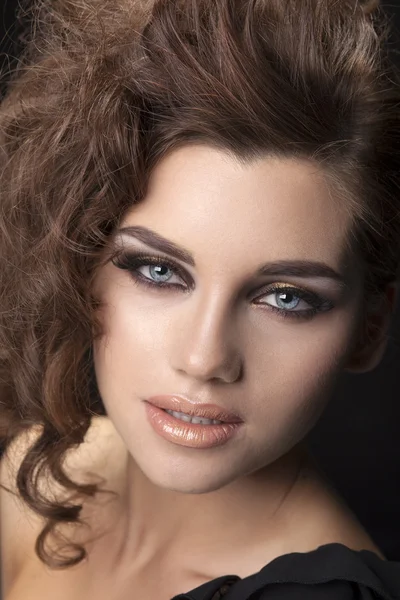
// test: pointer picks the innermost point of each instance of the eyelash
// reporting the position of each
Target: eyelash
(131, 261)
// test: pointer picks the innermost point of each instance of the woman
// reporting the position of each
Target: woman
(200, 220)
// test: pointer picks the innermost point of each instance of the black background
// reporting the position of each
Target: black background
(357, 440)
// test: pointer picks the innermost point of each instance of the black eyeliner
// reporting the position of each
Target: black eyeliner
(131, 260)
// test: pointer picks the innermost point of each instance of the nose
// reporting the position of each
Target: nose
(208, 346)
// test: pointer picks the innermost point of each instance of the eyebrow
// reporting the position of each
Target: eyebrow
(291, 268)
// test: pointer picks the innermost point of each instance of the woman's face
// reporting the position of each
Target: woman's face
(217, 331)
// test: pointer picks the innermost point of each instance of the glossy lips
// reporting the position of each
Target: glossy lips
(207, 411)
(192, 435)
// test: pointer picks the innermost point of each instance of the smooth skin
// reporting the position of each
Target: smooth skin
(185, 516)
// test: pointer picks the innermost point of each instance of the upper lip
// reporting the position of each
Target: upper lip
(184, 404)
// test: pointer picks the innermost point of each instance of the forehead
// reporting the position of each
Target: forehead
(203, 198)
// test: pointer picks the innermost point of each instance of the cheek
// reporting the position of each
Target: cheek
(293, 355)
(132, 348)
(296, 378)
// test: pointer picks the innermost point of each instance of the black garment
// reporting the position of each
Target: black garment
(331, 572)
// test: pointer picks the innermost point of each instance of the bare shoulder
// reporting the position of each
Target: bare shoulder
(102, 454)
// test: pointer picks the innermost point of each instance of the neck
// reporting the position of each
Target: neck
(158, 520)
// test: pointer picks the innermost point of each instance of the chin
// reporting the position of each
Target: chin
(178, 475)
(190, 485)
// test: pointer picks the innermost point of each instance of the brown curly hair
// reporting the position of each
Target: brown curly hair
(103, 90)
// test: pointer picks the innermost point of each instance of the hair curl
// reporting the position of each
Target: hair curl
(103, 90)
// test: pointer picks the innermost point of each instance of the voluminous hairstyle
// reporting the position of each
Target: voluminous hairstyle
(102, 91)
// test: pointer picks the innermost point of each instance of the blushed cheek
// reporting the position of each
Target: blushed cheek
(296, 383)
(321, 361)
(291, 408)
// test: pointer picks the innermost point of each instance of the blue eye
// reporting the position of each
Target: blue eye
(158, 271)
(292, 298)
(161, 271)
(287, 302)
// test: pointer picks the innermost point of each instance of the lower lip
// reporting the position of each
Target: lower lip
(192, 435)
